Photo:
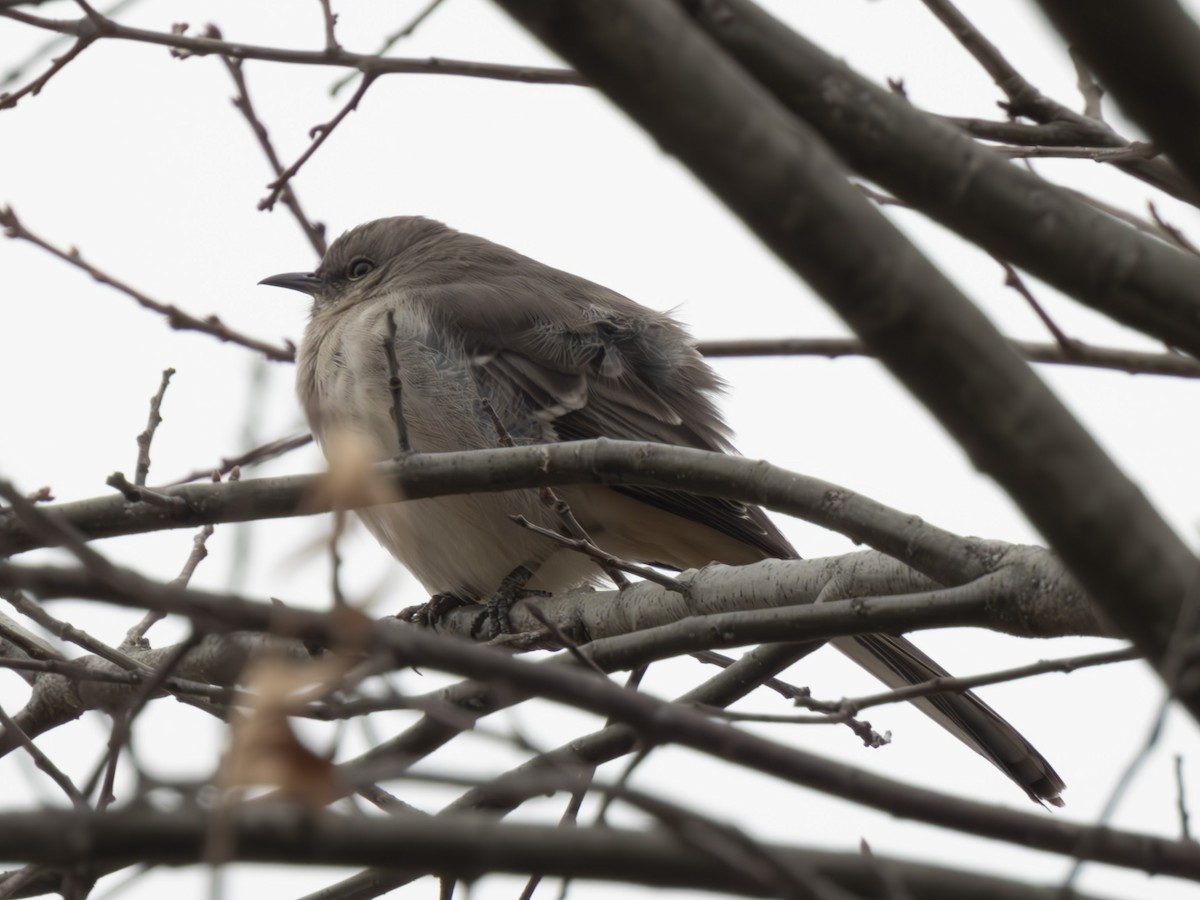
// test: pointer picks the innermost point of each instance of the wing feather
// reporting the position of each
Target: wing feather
(590, 363)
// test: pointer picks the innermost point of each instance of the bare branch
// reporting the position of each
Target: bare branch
(152, 423)
(945, 556)
(313, 231)
(318, 134)
(457, 848)
(853, 705)
(42, 761)
(175, 317)
(1134, 150)
(1091, 92)
(586, 547)
(331, 43)
(271, 450)
(1075, 353)
(392, 39)
(364, 62)
(9, 100)
(395, 385)
(938, 344)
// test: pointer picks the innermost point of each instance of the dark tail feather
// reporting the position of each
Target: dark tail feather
(897, 663)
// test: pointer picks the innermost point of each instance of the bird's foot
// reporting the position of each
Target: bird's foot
(496, 610)
(431, 613)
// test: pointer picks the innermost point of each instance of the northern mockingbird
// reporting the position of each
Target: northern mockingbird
(558, 358)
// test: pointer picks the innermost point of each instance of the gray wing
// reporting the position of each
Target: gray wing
(564, 359)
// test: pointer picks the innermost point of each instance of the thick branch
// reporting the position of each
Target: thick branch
(655, 720)
(462, 847)
(943, 556)
(934, 340)
(1005, 209)
(1026, 593)
(1147, 55)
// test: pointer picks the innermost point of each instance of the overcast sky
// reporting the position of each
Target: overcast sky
(141, 161)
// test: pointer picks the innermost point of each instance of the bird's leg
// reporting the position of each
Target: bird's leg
(430, 613)
(511, 589)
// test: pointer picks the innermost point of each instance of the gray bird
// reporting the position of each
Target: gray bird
(558, 358)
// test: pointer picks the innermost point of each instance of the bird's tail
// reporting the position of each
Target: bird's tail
(898, 663)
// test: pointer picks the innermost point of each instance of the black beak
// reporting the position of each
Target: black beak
(305, 282)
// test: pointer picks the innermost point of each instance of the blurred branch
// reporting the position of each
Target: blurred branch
(1026, 100)
(938, 344)
(464, 847)
(176, 318)
(1014, 215)
(1147, 55)
(656, 721)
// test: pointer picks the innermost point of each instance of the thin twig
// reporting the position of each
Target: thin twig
(330, 17)
(390, 41)
(137, 633)
(1091, 92)
(25, 605)
(1023, 98)
(1134, 362)
(138, 494)
(313, 231)
(43, 51)
(152, 423)
(1176, 236)
(318, 134)
(559, 635)
(8, 100)
(42, 761)
(259, 454)
(563, 510)
(1181, 800)
(1123, 783)
(589, 549)
(364, 62)
(1013, 280)
(123, 721)
(215, 693)
(175, 317)
(335, 557)
(950, 684)
(549, 498)
(1136, 150)
(395, 385)
(778, 685)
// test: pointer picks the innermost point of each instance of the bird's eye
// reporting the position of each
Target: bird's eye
(359, 268)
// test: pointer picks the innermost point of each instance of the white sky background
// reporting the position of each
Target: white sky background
(141, 161)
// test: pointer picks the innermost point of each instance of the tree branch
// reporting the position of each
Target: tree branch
(1147, 55)
(463, 847)
(100, 27)
(1074, 353)
(176, 318)
(944, 556)
(942, 348)
(1010, 212)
